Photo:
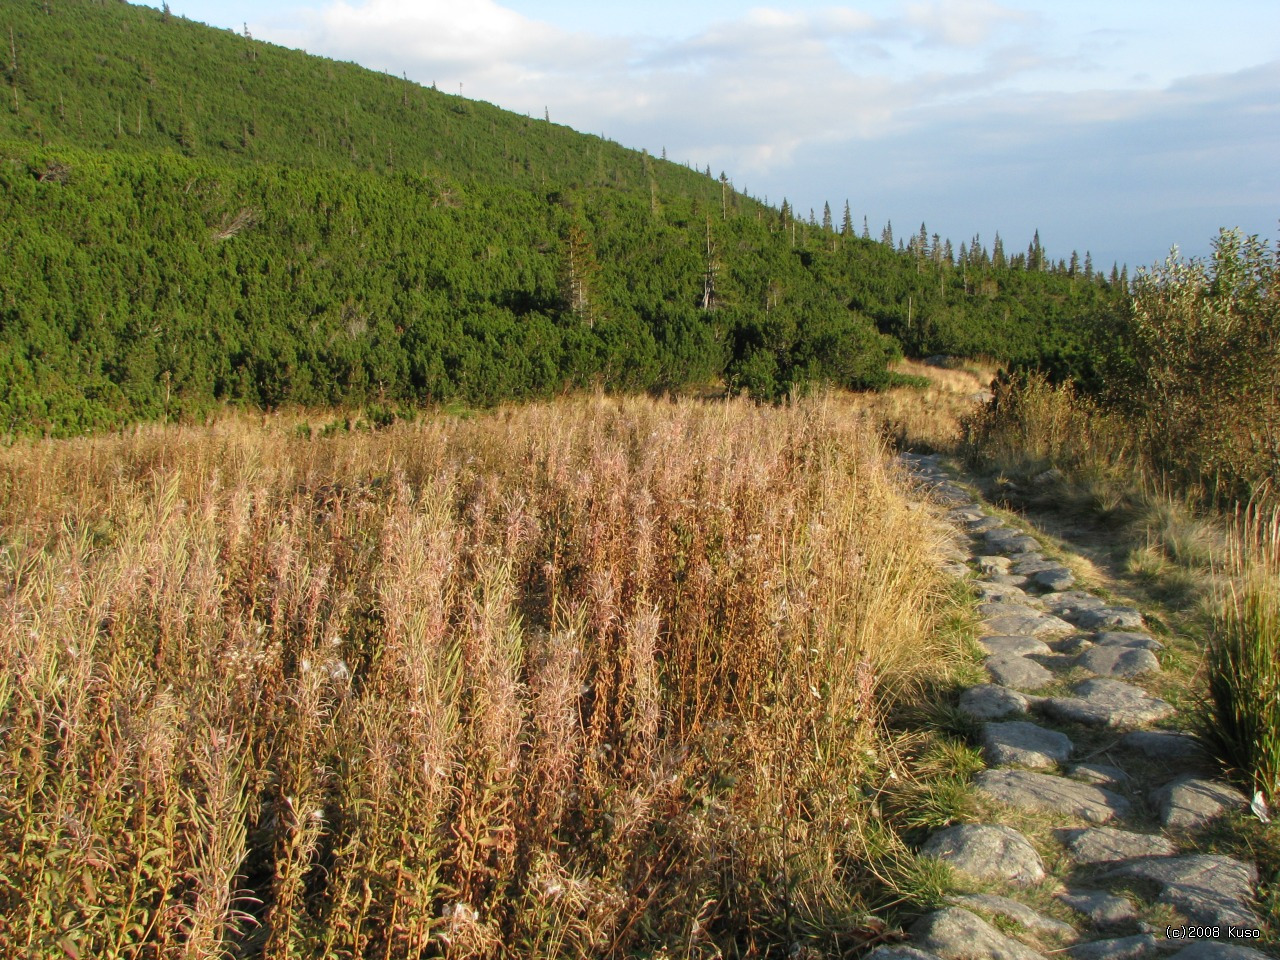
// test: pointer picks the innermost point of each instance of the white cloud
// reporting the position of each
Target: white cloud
(950, 104)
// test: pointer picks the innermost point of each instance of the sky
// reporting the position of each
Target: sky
(1118, 127)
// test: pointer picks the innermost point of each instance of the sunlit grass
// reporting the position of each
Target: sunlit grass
(568, 680)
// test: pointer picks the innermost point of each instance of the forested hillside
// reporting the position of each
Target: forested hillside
(190, 217)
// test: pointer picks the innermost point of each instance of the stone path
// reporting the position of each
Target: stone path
(1089, 660)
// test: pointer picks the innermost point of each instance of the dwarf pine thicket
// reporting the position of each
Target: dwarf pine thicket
(191, 218)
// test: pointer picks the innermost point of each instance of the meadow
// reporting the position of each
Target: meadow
(590, 677)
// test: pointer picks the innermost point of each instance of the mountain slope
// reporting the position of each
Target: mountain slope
(190, 218)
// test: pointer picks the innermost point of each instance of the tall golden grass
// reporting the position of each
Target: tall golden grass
(580, 679)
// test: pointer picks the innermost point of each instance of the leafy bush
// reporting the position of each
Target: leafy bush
(1196, 365)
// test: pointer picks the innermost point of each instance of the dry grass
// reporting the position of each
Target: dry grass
(927, 416)
(584, 679)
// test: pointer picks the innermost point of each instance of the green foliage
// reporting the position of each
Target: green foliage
(1197, 365)
(190, 217)
(1240, 718)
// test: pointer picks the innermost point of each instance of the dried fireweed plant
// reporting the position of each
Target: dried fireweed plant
(591, 678)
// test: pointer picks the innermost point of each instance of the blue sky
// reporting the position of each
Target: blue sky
(1116, 127)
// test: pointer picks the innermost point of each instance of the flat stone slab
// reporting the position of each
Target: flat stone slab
(1191, 801)
(991, 701)
(1104, 702)
(1030, 624)
(1123, 948)
(1019, 672)
(987, 852)
(900, 952)
(1113, 638)
(1160, 745)
(1099, 774)
(1107, 618)
(1103, 909)
(989, 592)
(1015, 646)
(956, 934)
(1024, 744)
(993, 564)
(1020, 913)
(1118, 661)
(1030, 566)
(1205, 888)
(950, 494)
(984, 525)
(1071, 601)
(1107, 845)
(1057, 579)
(1212, 950)
(1039, 791)
(1007, 608)
(1010, 579)
(969, 511)
(956, 570)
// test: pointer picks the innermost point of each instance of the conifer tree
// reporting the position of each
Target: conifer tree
(846, 225)
(826, 216)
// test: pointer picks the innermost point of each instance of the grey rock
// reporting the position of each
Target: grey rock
(1106, 845)
(1118, 661)
(950, 494)
(956, 934)
(1103, 909)
(1111, 638)
(1055, 579)
(1075, 643)
(1038, 791)
(998, 646)
(987, 852)
(1100, 774)
(989, 592)
(1007, 608)
(956, 570)
(1020, 913)
(1024, 744)
(990, 701)
(985, 525)
(1191, 801)
(1031, 567)
(1018, 672)
(900, 952)
(999, 537)
(1160, 745)
(1212, 950)
(1205, 888)
(1013, 543)
(968, 512)
(1124, 948)
(1107, 618)
(1033, 624)
(1063, 603)
(1010, 579)
(1020, 546)
(989, 564)
(1103, 702)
